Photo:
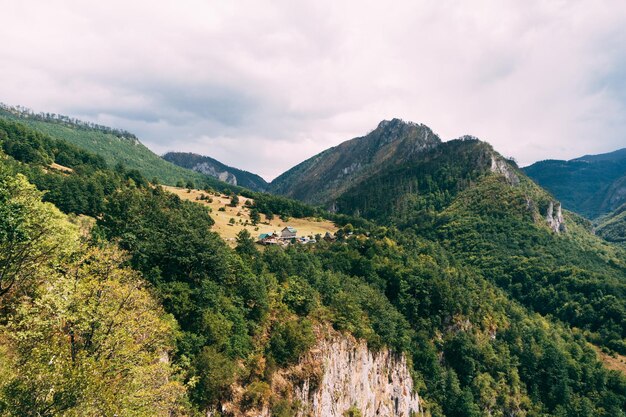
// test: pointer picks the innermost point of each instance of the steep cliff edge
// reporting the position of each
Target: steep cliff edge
(338, 375)
(375, 383)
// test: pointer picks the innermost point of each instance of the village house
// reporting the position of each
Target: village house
(268, 239)
(288, 233)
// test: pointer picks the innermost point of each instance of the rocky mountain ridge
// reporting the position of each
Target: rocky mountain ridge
(328, 174)
(214, 168)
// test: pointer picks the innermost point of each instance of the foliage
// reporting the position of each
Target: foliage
(85, 338)
(474, 289)
(290, 340)
(613, 226)
(32, 234)
(114, 148)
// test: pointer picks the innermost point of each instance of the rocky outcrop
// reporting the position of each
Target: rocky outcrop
(338, 374)
(499, 166)
(208, 169)
(554, 218)
(375, 383)
(214, 168)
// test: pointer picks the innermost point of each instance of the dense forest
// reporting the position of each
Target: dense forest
(116, 298)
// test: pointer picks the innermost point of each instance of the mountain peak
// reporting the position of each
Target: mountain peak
(394, 123)
(322, 177)
(397, 128)
(414, 135)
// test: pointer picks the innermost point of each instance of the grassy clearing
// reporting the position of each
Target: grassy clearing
(241, 214)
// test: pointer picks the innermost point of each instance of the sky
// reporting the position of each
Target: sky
(264, 85)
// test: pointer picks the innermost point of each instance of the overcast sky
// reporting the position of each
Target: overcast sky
(264, 85)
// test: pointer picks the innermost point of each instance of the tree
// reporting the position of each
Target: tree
(32, 233)
(91, 344)
(234, 201)
(290, 340)
(255, 217)
(87, 340)
(245, 243)
(214, 373)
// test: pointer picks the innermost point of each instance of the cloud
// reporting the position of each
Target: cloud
(262, 86)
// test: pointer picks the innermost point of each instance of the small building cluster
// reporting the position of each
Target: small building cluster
(286, 236)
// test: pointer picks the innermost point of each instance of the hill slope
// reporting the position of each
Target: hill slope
(115, 146)
(214, 168)
(591, 185)
(322, 178)
(612, 227)
(465, 195)
(245, 320)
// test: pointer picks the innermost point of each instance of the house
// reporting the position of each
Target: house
(268, 239)
(288, 233)
(329, 237)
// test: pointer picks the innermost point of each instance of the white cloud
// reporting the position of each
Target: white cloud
(264, 86)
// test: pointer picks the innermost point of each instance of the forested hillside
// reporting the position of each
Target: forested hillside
(612, 227)
(116, 147)
(323, 177)
(591, 185)
(128, 304)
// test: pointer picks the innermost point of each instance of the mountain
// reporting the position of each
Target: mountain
(216, 169)
(117, 147)
(322, 178)
(617, 155)
(612, 227)
(591, 185)
(117, 295)
(409, 192)
(492, 217)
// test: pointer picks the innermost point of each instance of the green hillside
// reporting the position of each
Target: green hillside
(481, 207)
(612, 227)
(126, 303)
(115, 146)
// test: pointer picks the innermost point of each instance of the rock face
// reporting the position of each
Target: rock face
(377, 384)
(207, 169)
(214, 168)
(501, 167)
(554, 217)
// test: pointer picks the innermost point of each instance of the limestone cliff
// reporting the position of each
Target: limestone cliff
(554, 217)
(499, 166)
(214, 168)
(377, 384)
(338, 374)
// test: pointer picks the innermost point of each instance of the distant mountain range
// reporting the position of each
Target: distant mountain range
(214, 168)
(591, 185)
